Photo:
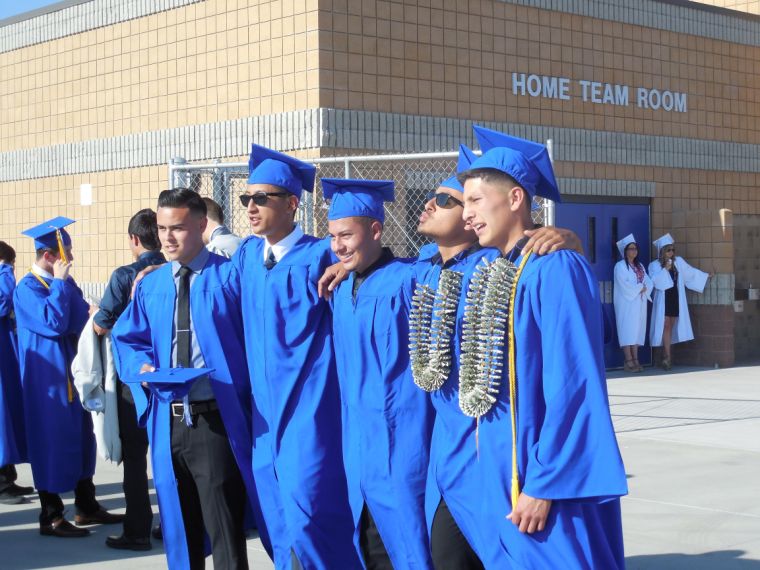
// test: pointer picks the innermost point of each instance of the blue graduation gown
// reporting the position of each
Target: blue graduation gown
(453, 469)
(59, 436)
(567, 450)
(12, 431)
(143, 334)
(387, 420)
(297, 458)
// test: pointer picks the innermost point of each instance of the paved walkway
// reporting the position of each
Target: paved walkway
(691, 444)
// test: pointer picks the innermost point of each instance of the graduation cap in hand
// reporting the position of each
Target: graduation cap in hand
(169, 383)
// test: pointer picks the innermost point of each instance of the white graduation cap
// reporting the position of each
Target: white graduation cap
(623, 243)
(661, 242)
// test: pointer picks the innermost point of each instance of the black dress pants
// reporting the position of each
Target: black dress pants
(371, 543)
(211, 491)
(451, 551)
(84, 501)
(134, 455)
(8, 477)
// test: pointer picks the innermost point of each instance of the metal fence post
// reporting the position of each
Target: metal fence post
(174, 165)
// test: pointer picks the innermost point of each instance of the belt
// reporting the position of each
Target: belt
(178, 408)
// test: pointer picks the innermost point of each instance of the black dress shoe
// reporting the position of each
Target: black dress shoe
(101, 516)
(19, 491)
(63, 529)
(125, 543)
(8, 498)
(156, 532)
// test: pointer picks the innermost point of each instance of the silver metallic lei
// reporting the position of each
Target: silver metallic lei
(431, 328)
(486, 317)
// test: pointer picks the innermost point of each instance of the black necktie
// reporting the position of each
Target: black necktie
(183, 318)
(271, 261)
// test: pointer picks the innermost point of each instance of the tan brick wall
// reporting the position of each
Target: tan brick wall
(750, 6)
(456, 59)
(210, 61)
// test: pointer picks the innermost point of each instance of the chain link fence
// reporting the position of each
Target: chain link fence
(414, 176)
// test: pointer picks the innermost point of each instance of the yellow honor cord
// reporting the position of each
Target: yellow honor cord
(69, 387)
(515, 490)
(61, 249)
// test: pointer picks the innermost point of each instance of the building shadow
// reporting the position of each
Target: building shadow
(718, 560)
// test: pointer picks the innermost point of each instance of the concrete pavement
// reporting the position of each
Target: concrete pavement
(691, 444)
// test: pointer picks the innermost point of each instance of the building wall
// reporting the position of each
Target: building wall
(208, 61)
(110, 104)
(749, 6)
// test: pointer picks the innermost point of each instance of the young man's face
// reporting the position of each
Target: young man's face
(355, 241)
(275, 216)
(180, 232)
(489, 210)
(445, 223)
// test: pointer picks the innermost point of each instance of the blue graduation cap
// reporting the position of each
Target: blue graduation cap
(267, 166)
(46, 234)
(466, 157)
(168, 376)
(526, 161)
(350, 198)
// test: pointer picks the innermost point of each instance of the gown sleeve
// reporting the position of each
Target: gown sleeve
(7, 285)
(660, 278)
(693, 278)
(132, 347)
(575, 455)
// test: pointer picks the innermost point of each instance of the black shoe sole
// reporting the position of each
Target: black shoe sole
(135, 547)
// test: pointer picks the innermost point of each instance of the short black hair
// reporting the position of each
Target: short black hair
(214, 211)
(491, 176)
(143, 225)
(7, 253)
(182, 198)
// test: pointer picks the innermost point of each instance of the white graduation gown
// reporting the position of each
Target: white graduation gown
(630, 305)
(688, 276)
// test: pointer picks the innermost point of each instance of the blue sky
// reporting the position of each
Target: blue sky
(10, 8)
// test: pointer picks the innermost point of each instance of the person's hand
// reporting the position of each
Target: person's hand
(146, 368)
(644, 290)
(330, 279)
(530, 514)
(61, 269)
(100, 331)
(140, 276)
(549, 238)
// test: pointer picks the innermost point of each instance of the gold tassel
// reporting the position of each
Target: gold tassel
(61, 249)
(515, 491)
(70, 390)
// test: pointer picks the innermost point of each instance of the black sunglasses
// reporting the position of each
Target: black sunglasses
(259, 198)
(443, 200)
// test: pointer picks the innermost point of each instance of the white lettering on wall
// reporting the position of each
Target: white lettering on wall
(597, 92)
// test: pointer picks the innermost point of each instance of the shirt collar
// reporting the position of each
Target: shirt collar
(41, 272)
(437, 259)
(385, 257)
(284, 245)
(516, 251)
(196, 265)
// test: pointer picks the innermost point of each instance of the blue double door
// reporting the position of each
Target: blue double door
(600, 226)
